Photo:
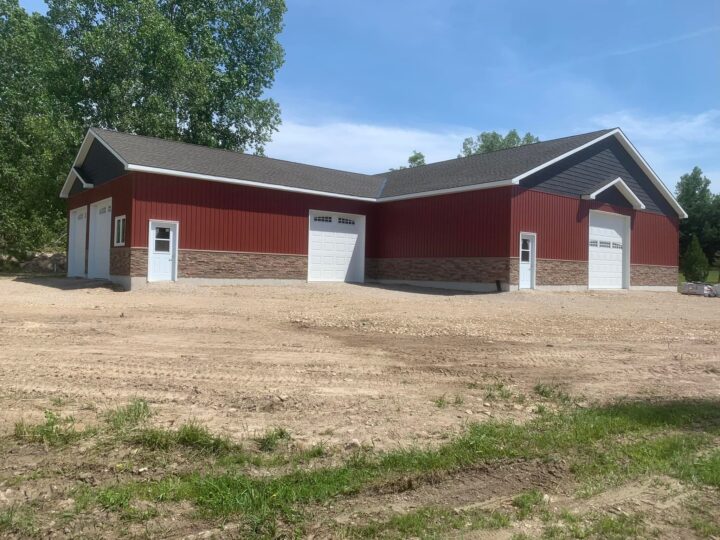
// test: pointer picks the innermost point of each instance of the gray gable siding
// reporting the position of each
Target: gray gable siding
(100, 165)
(582, 172)
(613, 196)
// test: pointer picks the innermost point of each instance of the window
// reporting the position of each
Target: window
(593, 243)
(120, 224)
(616, 245)
(162, 240)
(346, 221)
(605, 244)
(323, 219)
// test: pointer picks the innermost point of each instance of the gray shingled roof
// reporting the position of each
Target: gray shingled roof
(473, 170)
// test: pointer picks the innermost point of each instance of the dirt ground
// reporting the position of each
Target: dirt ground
(341, 363)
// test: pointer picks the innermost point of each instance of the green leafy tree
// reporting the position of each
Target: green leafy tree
(40, 129)
(490, 141)
(703, 209)
(416, 159)
(695, 264)
(192, 70)
(189, 70)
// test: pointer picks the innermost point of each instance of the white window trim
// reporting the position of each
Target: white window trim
(115, 231)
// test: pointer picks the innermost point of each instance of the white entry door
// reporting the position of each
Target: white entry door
(99, 239)
(162, 251)
(527, 261)
(77, 237)
(608, 253)
(336, 250)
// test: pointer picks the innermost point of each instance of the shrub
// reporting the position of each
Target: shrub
(695, 265)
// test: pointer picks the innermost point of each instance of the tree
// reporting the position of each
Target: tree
(416, 159)
(191, 70)
(490, 141)
(695, 264)
(703, 209)
(40, 129)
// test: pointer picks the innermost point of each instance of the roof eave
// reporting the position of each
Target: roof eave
(621, 186)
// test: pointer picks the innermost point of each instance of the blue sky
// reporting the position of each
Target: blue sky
(366, 82)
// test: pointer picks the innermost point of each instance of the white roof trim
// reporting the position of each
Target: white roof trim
(651, 174)
(519, 177)
(226, 180)
(472, 187)
(620, 184)
(617, 133)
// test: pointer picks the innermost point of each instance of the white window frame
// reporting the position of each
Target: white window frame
(122, 218)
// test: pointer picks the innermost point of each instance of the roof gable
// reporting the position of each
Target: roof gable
(104, 149)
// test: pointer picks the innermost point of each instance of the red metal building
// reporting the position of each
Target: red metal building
(577, 212)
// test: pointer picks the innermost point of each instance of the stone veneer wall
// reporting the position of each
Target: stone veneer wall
(460, 269)
(652, 275)
(234, 265)
(558, 272)
(125, 261)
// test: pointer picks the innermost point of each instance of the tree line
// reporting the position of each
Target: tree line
(188, 70)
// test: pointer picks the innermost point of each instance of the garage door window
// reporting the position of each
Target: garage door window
(323, 219)
(346, 221)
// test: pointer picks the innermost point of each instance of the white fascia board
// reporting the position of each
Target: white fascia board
(237, 181)
(620, 184)
(519, 177)
(79, 158)
(461, 189)
(651, 174)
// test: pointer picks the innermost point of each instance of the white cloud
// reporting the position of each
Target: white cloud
(361, 148)
(672, 145)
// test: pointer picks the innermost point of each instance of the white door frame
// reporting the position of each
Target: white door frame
(71, 224)
(360, 218)
(533, 257)
(92, 233)
(627, 238)
(175, 245)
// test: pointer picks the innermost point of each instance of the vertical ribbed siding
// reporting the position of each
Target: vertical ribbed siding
(225, 217)
(469, 224)
(562, 226)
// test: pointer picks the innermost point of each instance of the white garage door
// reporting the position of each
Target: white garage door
(77, 234)
(336, 250)
(99, 239)
(607, 256)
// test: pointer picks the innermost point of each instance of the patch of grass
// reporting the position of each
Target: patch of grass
(705, 470)
(429, 523)
(473, 385)
(552, 392)
(577, 435)
(441, 402)
(599, 526)
(459, 400)
(526, 502)
(55, 431)
(18, 520)
(128, 416)
(272, 438)
(497, 390)
(191, 435)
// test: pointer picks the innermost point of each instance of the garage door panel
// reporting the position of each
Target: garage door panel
(606, 252)
(335, 250)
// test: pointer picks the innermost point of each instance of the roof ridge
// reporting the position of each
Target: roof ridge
(599, 131)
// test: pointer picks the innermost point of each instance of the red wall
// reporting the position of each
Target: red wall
(561, 224)
(469, 224)
(227, 217)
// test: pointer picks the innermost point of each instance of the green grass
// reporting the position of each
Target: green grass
(19, 521)
(54, 431)
(441, 402)
(190, 436)
(129, 416)
(552, 392)
(270, 440)
(497, 390)
(598, 526)
(429, 523)
(526, 502)
(635, 438)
